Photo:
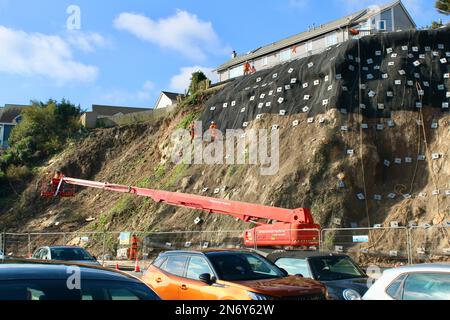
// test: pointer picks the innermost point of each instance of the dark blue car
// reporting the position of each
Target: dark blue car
(38, 280)
(344, 279)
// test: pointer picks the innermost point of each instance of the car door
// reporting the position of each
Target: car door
(194, 289)
(167, 282)
(427, 286)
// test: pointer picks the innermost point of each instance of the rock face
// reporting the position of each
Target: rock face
(375, 138)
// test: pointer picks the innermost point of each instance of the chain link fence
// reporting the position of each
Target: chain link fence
(380, 246)
(429, 243)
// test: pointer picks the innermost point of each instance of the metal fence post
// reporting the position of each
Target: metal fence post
(104, 248)
(4, 243)
(409, 245)
(29, 245)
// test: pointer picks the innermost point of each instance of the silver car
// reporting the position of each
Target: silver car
(418, 282)
(65, 253)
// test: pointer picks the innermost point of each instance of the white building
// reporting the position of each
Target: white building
(167, 99)
(387, 18)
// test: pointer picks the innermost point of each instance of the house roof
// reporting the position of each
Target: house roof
(10, 112)
(171, 95)
(103, 110)
(349, 20)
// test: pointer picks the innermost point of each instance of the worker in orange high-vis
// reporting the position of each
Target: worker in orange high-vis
(134, 247)
(58, 175)
(192, 131)
(247, 68)
(213, 128)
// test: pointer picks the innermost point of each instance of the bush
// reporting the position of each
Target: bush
(44, 129)
(198, 81)
(17, 173)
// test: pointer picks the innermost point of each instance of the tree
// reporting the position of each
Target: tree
(436, 25)
(198, 81)
(443, 6)
(43, 130)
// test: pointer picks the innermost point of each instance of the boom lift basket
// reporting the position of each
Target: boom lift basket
(57, 188)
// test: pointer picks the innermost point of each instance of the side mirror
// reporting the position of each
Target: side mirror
(285, 273)
(206, 278)
(95, 258)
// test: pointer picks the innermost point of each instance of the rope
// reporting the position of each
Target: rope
(361, 135)
(427, 150)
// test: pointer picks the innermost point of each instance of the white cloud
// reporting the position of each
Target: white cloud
(36, 54)
(183, 32)
(86, 41)
(182, 80)
(119, 96)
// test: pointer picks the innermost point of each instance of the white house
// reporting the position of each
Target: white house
(387, 18)
(167, 99)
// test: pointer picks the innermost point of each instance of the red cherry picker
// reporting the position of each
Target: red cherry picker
(276, 227)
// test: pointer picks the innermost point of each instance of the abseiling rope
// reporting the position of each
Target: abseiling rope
(361, 136)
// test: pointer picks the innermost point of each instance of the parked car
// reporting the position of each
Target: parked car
(42, 280)
(344, 279)
(226, 275)
(65, 253)
(418, 282)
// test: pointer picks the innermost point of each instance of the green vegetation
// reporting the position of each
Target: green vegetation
(187, 120)
(175, 175)
(198, 82)
(443, 6)
(43, 131)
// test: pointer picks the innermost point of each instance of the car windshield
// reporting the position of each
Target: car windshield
(243, 267)
(335, 268)
(21, 290)
(71, 254)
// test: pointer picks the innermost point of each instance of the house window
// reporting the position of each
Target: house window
(17, 119)
(285, 55)
(264, 61)
(382, 25)
(332, 39)
(309, 47)
(237, 72)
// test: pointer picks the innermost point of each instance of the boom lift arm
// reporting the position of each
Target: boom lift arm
(289, 227)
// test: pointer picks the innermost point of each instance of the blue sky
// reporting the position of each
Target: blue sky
(126, 52)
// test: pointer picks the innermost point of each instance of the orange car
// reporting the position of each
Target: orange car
(226, 275)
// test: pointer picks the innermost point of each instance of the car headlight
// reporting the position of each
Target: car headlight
(350, 294)
(259, 297)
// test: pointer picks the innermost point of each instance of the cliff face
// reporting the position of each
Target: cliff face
(363, 137)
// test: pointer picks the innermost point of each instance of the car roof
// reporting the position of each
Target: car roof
(425, 267)
(62, 247)
(302, 254)
(206, 251)
(46, 270)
